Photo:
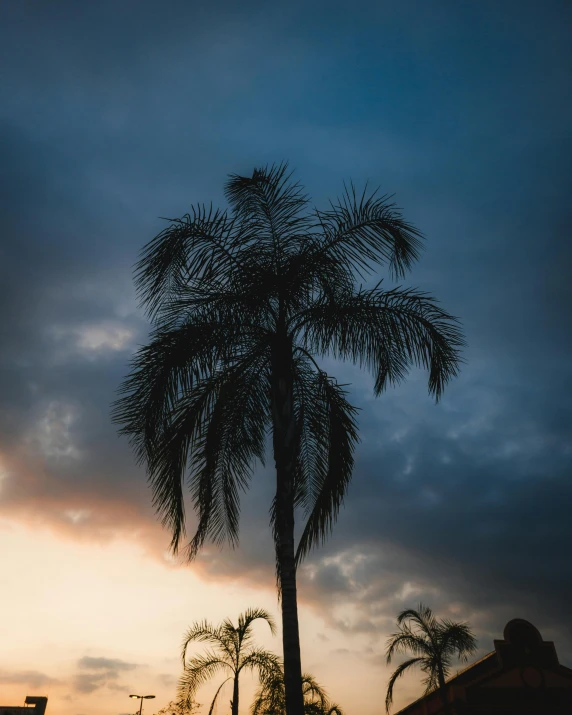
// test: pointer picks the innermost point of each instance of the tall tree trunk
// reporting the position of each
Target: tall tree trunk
(285, 457)
(447, 709)
(235, 695)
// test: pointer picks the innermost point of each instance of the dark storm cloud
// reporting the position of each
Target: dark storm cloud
(473, 513)
(115, 113)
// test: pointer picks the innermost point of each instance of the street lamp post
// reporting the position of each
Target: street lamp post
(142, 698)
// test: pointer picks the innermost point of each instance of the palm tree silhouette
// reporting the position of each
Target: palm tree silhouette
(270, 697)
(243, 304)
(233, 653)
(433, 644)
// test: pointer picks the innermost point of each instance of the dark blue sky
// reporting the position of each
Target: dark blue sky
(115, 113)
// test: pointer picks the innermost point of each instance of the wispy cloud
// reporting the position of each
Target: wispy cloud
(29, 678)
(98, 672)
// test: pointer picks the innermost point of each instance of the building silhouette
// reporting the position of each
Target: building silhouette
(521, 675)
(39, 707)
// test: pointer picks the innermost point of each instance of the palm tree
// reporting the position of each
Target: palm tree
(244, 304)
(433, 644)
(234, 653)
(270, 698)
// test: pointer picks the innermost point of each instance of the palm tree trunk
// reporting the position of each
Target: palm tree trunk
(235, 695)
(290, 627)
(285, 456)
(443, 691)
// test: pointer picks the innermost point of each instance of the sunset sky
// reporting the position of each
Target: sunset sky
(113, 114)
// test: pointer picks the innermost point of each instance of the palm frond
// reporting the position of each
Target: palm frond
(182, 439)
(218, 690)
(362, 231)
(270, 697)
(205, 632)
(198, 670)
(238, 309)
(271, 206)
(397, 673)
(269, 702)
(387, 332)
(310, 273)
(313, 692)
(264, 661)
(172, 362)
(225, 452)
(423, 617)
(199, 244)
(217, 430)
(456, 639)
(431, 679)
(246, 619)
(329, 436)
(404, 641)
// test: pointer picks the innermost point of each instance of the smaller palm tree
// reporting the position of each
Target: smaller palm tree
(434, 644)
(232, 653)
(270, 698)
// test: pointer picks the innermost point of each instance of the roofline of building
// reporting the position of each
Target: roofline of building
(450, 680)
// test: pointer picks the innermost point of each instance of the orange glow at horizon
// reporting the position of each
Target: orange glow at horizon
(64, 601)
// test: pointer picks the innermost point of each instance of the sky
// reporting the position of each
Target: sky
(113, 114)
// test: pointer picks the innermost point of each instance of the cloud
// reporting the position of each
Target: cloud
(29, 678)
(167, 679)
(91, 341)
(488, 544)
(98, 672)
(108, 664)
